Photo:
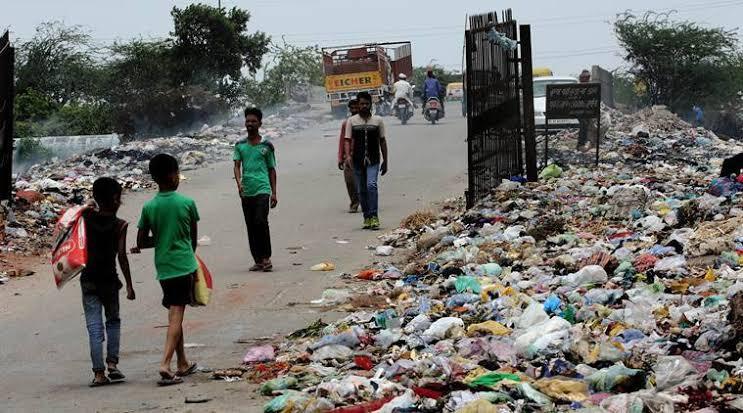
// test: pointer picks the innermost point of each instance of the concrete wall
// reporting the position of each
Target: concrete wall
(65, 147)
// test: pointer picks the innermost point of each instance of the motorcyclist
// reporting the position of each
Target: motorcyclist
(403, 89)
(433, 88)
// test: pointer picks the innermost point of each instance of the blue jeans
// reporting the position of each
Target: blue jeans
(367, 186)
(94, 306)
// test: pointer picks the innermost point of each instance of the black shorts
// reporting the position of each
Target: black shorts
(178, 290)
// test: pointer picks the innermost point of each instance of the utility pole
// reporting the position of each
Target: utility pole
(219, 4)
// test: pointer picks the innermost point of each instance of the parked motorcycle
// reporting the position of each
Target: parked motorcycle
(432, 111)
(403, 110)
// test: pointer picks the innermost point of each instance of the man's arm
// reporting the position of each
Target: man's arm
(342, 147)
(383, 147)
(124, 263)
(272, 179)
(347, 140)
(237, 171)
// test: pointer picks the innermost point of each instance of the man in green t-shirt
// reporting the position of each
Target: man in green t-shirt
(169, 225)
(255, 174)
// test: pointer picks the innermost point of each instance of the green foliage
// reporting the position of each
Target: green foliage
(57, 62)
(288, 74)
(680, 63)
(30, 149)
(33, 106)
(211, 43)
(444, 76)
(627, 91)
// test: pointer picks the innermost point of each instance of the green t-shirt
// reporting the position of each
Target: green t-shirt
(256, 161)
(169, 215)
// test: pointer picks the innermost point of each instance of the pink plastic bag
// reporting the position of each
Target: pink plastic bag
(259, 354)
(69, 253)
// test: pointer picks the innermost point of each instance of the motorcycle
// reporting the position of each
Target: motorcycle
(383, 107)
(432, 111)
(403, 110)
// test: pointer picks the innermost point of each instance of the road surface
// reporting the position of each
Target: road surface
(44, 362)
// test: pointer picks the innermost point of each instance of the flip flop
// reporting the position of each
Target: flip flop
(99, 383)
(168, 379)
(189, 371)
(116, 375)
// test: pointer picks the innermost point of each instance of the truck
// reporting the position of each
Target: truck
(370, 67)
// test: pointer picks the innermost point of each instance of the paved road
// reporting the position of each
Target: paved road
(44, 364)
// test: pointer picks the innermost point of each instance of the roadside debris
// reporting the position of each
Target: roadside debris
(593, 290)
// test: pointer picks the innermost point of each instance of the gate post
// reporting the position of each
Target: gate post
(7, 93)
(527, 83)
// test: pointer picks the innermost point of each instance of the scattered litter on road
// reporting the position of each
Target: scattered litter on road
(323, 266)
(613, 289)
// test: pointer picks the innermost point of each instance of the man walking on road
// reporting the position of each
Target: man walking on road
(365, 139)
(347, 166)
(255, 174)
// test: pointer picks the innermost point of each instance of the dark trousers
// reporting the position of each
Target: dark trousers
(255, 210)
(348, 176)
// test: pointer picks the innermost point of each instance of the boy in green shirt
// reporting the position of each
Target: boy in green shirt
(169, 225)
(255, 174)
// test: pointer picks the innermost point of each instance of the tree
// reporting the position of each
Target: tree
(57, 62)
(290, 70)
(211, 44)
(680, 63)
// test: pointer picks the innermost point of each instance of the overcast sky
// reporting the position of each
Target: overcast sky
(568, 35)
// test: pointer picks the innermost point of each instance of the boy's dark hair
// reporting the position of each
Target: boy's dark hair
(353, 102)
(364, 95)
(162, 166)
(255, 112)
(105, 190)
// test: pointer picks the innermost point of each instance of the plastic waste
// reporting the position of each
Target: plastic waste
(551, 304)
(589, 275)
(444, 327)
(562, 388)
(491, 380)
(323, 266)
(551, 171)
(289, 401)
(539, 338)
(348, 339)
(386, 338)
(281, 383)
(534, 395)
(332, 352)
(492, 269)
(674, 264)
(259, 354)
(405, 401)
(489, 327)
(672, 371)
(479, 406)
(533, 315)
(205, 241)
(617, 377)
(467, 284)
(418, 324)
(332, 297)
(384, 250)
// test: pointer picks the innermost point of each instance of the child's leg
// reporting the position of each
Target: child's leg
(113, 329)
(174, 335)
(94, 322)
(180, 352)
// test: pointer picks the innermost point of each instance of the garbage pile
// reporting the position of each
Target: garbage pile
(617, 289)
(652, 134)
(46, 189)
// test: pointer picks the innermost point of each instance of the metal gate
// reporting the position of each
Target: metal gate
(7, 92)
(497, 124)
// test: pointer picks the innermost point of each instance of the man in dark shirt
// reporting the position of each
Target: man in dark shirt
(365, 139)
